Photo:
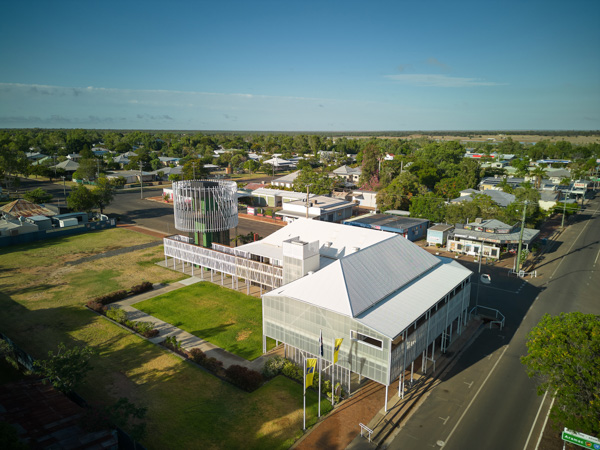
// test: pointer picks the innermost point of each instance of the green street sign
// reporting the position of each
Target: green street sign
(583, 440)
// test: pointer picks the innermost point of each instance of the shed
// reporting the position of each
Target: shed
(438, 234)
(43, 222)
(411, 228)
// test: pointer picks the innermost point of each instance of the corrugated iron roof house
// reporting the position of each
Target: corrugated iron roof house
(390, 300)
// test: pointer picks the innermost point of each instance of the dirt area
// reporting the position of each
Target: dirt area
(495, 138)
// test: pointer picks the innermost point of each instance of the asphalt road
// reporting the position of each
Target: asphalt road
(130, 207)
(486, 400)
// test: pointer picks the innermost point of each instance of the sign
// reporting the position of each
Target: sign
(250, 211)
(580, 439)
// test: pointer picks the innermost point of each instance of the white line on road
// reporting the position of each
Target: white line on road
(535, 421)
(544, 426)
(572, 245)
(475, 396)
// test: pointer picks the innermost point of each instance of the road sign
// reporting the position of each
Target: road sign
(580, 439)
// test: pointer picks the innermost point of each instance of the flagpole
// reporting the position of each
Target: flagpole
(320, 358)
(304, 396)
(333, 373)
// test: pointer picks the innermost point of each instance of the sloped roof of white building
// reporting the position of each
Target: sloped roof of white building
(386, 285)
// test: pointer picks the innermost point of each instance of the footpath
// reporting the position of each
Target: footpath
(188, 341)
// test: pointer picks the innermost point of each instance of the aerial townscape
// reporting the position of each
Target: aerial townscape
(304, 225)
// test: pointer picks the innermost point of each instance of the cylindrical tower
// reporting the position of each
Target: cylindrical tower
(207, 208)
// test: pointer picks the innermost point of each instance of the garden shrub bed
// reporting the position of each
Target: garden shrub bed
(121, 294)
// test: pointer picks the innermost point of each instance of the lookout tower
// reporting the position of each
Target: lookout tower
(206, 208)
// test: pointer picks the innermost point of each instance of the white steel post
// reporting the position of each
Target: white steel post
(304, 396)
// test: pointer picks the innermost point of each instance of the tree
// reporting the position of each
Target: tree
(38, 195)
(194, 170)
(399, 192)
(467, 211)
(67, 367)
(320, 183)
(104, 192)
(81, 199)
(428, 207)
(251, 166)
(563, 354)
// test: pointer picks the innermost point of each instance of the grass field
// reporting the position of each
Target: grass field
(42, 298)
(226, 318)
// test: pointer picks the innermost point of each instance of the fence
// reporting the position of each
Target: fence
(40, 235)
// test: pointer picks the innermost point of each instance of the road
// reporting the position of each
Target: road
(131, 208)
(486, 400)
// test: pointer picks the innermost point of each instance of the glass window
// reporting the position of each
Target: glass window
(355, 335)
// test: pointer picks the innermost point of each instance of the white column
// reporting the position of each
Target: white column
(386, 396)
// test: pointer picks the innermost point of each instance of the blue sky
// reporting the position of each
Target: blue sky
(301, 65)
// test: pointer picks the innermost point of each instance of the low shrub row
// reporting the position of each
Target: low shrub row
(242, 377)
(121, 294)
(146, 329)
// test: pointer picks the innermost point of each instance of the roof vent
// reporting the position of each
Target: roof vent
(355, 249)
(327, 244)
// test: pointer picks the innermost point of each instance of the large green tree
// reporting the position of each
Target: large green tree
(67, 367)
(319, 183)
(37, 195)
(81, 199)
(399, 192)
(104, 192)
(428, 207)
(563, 355)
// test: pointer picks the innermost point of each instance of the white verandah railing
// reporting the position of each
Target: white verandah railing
(178, 247)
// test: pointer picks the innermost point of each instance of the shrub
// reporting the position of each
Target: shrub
(141, 288)
(146, 329)
(197, 355)
(111, 298)
(96, 306)
(118, 315)
(214, 365)
(172, 343)
(292, 371)
(273, 366)
(244, 378)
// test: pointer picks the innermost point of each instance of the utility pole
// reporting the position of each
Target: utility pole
(518, 265)
(141, 182)
(564, 212)
(307, 193)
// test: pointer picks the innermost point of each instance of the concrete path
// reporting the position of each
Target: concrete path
(188, 341)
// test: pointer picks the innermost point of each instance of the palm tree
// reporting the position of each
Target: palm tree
(539, 174)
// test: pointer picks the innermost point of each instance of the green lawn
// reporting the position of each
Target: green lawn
(226, 318)
(41, 304)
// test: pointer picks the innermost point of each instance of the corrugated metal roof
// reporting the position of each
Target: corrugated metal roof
(402, 308)
(22, 207)
(357, 282)
(377, 271)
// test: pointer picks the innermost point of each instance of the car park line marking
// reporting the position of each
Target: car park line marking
(445, 420)
(469, 384)
(475, 396)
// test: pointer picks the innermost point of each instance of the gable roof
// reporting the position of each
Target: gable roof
(359, 281)
(22, 207)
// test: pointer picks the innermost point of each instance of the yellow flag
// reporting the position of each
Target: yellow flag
(311, 365)
(336, 349)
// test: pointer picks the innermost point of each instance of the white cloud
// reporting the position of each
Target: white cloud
(433, 80)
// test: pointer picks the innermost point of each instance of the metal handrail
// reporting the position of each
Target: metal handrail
(497, 314)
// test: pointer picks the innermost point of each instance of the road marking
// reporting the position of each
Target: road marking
(535, 420)
(475, 396)
(445, 420)
(498, 289)
(544, 427)
(572, 245)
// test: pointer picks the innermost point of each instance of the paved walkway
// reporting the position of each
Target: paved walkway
(188, 340)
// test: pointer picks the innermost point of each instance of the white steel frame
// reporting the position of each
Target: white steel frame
(190, 194)
(234, 263)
